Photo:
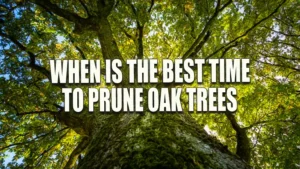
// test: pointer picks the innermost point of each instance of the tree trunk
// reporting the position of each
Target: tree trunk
(154, 141)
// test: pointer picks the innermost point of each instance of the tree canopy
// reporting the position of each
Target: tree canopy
(265, 130)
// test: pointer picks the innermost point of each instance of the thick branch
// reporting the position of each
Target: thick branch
(140, 46)
(105, 7)
(85, 8)
(200, 45)
(76, 152)
(243, 144)
(81, 24)
(140, 33)
(151, 6)
(49, 6)
(109, 46)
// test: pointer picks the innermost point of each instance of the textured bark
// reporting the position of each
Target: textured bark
(141, 140)
(243, 149)
(154, 141)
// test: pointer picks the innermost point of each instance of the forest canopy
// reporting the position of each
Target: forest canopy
(37, 132)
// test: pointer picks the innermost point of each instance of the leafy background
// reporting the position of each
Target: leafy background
(267, 32)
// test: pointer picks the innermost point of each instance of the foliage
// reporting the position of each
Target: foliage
(33, 125)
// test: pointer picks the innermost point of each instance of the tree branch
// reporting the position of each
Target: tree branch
(109, 46)
(76, 47)
(34, 139)
(192, 25)
(36, 112)
(247, 31)
(278, 56)
(243, 143)
(270, 121)
(151, 6)
(76, 152)
(290, 44)
(49, 6)
(140, 33)
(283, 33)
(278, 65)
(140, 46)
(127, 34)
(194, 47)
(105, 7)
(85, 8)
(200, 45)
(227, 49)
(40, 157)
(32, 57)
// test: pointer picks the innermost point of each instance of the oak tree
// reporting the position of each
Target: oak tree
(38, 133)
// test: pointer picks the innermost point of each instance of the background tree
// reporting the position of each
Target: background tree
(264, 131)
